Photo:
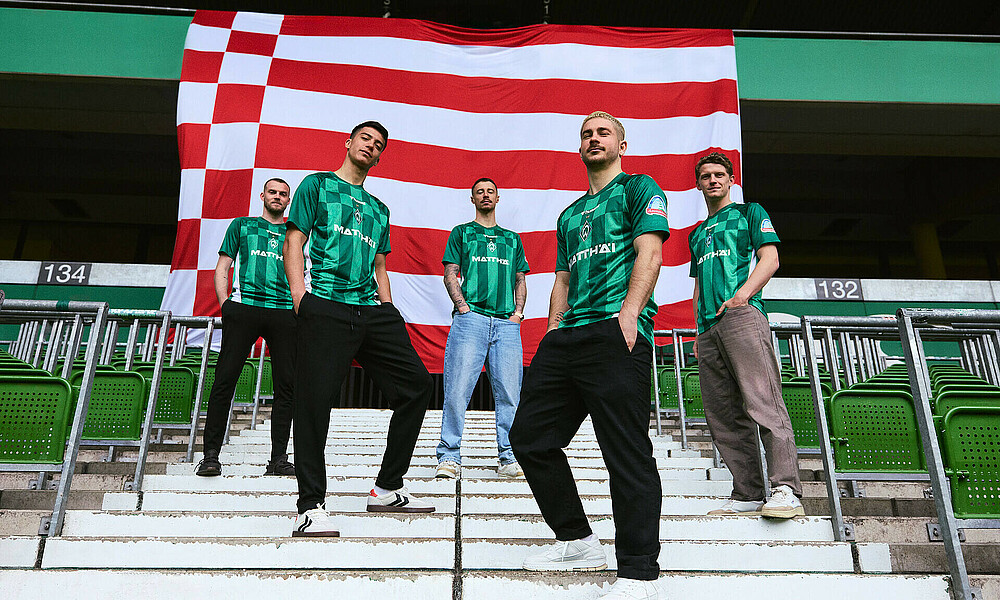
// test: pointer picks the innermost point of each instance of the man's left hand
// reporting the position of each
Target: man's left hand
(630, 330)
(733, 302)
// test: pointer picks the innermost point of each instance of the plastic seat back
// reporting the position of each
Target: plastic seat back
(34, 412)
(875, 431)
(970, 444)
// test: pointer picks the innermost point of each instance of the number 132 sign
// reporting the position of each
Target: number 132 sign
(838, 289)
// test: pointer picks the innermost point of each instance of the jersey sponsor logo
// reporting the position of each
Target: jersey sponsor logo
(585, 231)
(714, 254)
(657, 206)
(267, 254)
(354, 232)
(766, 227)
(491, 259)
(593, 251)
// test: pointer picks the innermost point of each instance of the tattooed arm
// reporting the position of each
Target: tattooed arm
(520, 297)
(454, 287)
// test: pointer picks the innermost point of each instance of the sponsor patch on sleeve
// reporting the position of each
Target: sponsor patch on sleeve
(657, 206)
(766, 227)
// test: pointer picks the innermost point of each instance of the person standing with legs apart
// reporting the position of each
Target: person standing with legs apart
(348, 315)
(595, 360)
(740, 384)
(259, 306)
(486, 326)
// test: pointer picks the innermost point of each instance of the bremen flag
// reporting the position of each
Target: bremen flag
(266, 96)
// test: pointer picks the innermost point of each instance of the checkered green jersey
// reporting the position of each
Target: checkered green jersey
(723, 252)
(346, 227)
(594, 238)
(489, 258)
(259, 274)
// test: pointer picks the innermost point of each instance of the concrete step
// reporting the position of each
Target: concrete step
(84, 524)
(334, 457)
(485, 585)
(743, 557)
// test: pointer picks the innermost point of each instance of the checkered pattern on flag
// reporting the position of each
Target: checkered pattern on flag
(276, 96)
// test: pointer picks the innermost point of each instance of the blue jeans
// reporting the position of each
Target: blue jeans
(475, 339)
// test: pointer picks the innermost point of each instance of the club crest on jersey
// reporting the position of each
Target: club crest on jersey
(585, 231)
(357, 216)
(708, 240)
(492, 246)
(766, 227)
(657, 206)
(273, 243)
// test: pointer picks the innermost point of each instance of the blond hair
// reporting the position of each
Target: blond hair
(619, 128)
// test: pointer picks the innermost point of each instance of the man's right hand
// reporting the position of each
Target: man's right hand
(463, 309)
(297, 299)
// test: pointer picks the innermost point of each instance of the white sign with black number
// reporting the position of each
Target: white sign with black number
(64, 273)
(838, 289)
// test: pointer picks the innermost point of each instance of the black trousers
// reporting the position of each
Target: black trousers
(589, 370)
(330, 335)
(241, 326)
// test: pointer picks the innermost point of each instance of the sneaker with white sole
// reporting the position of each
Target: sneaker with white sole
(510, 470)
(575, 555)
(738, 507)
(782, 504)
(315, 523)
(397, 501)
(634, 589)
(448, 469)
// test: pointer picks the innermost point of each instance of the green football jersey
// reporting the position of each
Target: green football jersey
(346, 227)
(489, 258)
(723, 249)
(259, 273)
(594, 238)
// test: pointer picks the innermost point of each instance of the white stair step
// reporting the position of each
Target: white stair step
(720, 488)
(208, 525)
(815, 586)
(696, 528)
(160, 585)
(741, 557)
(241, 553)
(248, 502)
(334, 457)
(236, 483)
(18, 552)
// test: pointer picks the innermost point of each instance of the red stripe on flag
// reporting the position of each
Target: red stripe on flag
(532, 35)
(201, 67)
(192, 143)
(186, 245)
(238, 103)
(247, 42)
(214, 18)
(296, 148)
(497, 95)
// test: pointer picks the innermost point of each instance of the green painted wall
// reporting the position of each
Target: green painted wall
(150, 46)
(92, 44)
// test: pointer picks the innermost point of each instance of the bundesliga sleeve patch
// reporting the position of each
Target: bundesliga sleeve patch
(766, 227)
(657, 206)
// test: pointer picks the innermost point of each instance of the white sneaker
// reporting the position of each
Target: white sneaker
(315, 523)
(576, 555)
(783, 504)
(738, 507)
(397, 501)
(634, 589)
(448, 469)
(510, 470)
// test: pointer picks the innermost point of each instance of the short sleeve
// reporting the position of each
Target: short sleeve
(522, 260)
(302, 214)
(231, 241)
(647, 206)
(453, 249)
(693, 272)
(562, 260)
(761, 230)
(383, 244)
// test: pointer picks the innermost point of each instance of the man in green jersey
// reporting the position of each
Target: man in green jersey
(259, 306)
(595, 360)
(348, 315)
(485, 327)
(740, 385)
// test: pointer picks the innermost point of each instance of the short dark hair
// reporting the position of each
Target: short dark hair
(279, 180)
(374, 125)
(482, 179)
(716, 158)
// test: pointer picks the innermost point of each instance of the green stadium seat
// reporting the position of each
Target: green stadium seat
(875, 431)
(668, 388)
(117, 405)
(799, 402)
(34, 412)
(693, 407)
(175, 398)
(970, 447)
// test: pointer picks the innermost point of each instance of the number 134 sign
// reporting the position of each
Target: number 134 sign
(64, 273)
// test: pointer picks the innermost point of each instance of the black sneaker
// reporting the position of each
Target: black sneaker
(280, 466)
(210, 465)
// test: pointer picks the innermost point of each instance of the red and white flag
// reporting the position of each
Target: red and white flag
(266, 96)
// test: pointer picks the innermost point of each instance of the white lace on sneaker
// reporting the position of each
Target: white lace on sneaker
(634, 589)
(782, 504)
(576, 555)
